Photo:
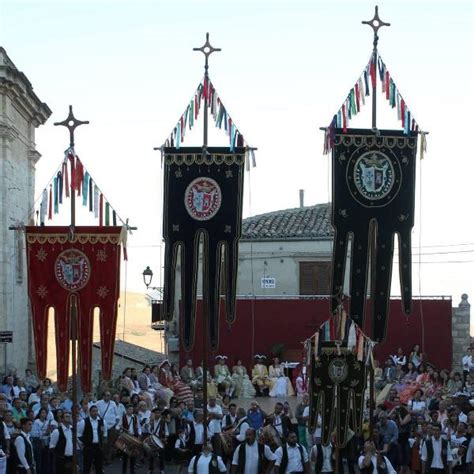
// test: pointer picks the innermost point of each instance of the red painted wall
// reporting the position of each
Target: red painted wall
(261, 323)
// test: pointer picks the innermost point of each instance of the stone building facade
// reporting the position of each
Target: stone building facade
(21, 112)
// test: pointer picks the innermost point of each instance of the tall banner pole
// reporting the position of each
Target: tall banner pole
(207, 50)
(71, 123)
(375, 23)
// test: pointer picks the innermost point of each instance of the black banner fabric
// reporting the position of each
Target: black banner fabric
(373, 195)
(337, 387)
(202, 204)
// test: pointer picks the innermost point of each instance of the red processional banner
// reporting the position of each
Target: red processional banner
(74, 274)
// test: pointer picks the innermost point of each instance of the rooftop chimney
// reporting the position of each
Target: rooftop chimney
(301, 197)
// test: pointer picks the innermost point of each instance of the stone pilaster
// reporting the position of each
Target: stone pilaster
(460, 328)
(21, 112)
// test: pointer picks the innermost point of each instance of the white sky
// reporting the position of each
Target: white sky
(284, 69)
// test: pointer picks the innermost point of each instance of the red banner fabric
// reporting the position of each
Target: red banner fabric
(81, 273)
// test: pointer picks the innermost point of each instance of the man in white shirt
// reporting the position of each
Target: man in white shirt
(291, 457)
(109, 413)
(375, 463)
(61, 444)
(436, 452)
(242, 425)
(249, 457)
(207, 462)
(196, 433)
(92, 432)
(24, 448)
(214, 413)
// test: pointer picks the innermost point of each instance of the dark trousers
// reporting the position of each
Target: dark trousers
(63, 465)
(126, 461)
(158, 456)
(93, 455)
(434, 470)
(21, 470)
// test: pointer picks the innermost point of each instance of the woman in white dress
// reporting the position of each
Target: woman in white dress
(281, 385)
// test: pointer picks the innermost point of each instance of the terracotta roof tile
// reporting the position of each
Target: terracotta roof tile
(302, 223)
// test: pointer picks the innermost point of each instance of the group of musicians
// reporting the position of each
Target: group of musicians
(250, 441)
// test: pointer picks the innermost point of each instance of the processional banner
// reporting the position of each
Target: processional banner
(337, 388)
(202, 204)
(373, 195)
(74, 272)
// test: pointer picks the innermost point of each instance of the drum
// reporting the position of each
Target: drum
(153, 444)
(129, 444)
(225, 443)
(271, 437)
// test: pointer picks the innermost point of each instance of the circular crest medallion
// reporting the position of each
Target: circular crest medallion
(374, 177)
(338, 370)
(203, 198)
(72, 269)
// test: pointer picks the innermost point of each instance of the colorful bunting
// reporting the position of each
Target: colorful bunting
(356, 98)
(83, 185)
(206, 91)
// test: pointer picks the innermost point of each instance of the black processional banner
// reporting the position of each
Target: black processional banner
(202, 204)
(337, 388)
(373, 195)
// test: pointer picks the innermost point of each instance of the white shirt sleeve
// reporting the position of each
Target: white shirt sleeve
(424, 453)
(269, 454)
(53, 441)
(80, 428)
(6, 433)
(305, 454)
(220, 464)
(191, 465)
(278, 456)
(243, 428)
(235, 458)
(20, 451)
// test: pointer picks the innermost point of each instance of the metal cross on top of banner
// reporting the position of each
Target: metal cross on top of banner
(207, 49)
(376, 23)
(71, 123)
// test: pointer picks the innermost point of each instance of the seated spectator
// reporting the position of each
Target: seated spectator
(31, 381)
(416, 357)
(399, 359)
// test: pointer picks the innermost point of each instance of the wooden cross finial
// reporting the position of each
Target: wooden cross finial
(71, 123)
(207, 49)
(375, 23)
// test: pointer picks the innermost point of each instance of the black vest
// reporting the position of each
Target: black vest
(241, 457)
(320, 459)
(3, 441)
(28, 451)
(88, 434)
(61, 444)
(213, 465)
(381, 466)
(430, 452)
(284, 458)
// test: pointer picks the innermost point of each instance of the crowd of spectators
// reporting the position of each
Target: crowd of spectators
(422, 419)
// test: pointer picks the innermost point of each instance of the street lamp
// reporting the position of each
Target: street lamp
(147, 276)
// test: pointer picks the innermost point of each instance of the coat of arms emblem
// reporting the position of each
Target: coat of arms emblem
(338, 370)
(374, 175)
(72, 269)
(202, 198)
